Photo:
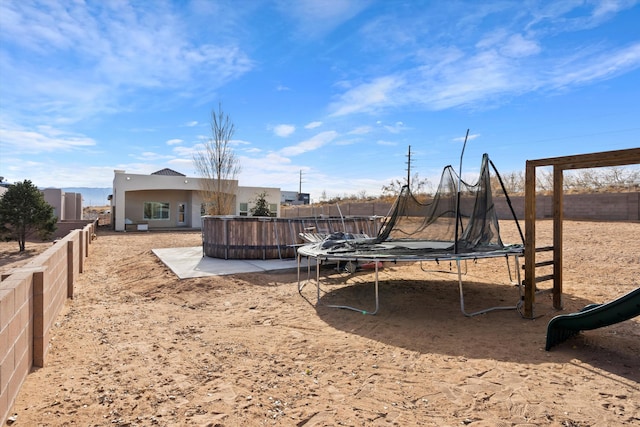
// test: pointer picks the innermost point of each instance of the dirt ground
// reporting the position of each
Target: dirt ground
(137, 346)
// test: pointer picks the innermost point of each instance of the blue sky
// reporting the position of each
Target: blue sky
(335, 89)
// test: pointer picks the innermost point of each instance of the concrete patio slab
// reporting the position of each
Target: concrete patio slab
(190, 262)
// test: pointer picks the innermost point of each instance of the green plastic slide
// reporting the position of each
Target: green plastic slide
(593, 316)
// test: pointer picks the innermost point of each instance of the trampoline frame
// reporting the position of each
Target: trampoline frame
(516, 253)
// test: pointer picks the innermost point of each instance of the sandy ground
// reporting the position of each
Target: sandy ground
(137, 346)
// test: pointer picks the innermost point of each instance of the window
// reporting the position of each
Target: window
(156, 210)
(244, 209)
(273, 208)
(207, 208)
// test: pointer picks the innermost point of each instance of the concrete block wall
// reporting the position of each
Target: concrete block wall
(49, 294)
(360, 209)
(64, 227)
(604, 206)
(31, 298)
(593, 207)
(16, 336)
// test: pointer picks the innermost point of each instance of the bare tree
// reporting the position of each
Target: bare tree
(219, 166)
(616, 178)
(544, 180)
(418, 186)
(623, 177)
(513, 183)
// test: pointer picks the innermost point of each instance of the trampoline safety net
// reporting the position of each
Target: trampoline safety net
(435, 220)
(448, 224)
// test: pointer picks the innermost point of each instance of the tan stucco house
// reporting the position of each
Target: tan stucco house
(66, 206)
(167, 199)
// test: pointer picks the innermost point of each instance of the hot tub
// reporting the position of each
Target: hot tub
(250, 237)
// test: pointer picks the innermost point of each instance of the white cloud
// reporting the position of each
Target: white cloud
(184, 166)
(44, 138)
(151, 156)
(576, 16)
(397, 127)
(238, 142)
(343, 141)
(360, 130)
(368, 97)
(311, 144)
(191, 124)
(469, 138)
(517, 47)
(269, 162)
(106, 58)
(174, 141)
(315, 18)
(313, 125)
(186, 152)
(606, 8)
(284, 130)
(521, 54)
(54, 174)
(273, 170)
(492, 39)
(582, 70)
(387, 143)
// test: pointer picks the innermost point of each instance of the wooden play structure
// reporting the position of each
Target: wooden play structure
(559, 164)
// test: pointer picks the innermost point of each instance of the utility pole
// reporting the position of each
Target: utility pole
(409, 168)
(300, 185)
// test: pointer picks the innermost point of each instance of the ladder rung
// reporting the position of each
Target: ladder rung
(539, 264)
(544, 249)
(544, 263)
(544, 291)
(544, 278)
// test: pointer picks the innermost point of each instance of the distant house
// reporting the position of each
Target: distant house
(167, 199)
(294, 198)
(66, 206)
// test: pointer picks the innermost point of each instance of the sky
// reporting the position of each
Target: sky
(326, 96)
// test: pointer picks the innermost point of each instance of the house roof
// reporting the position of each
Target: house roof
(167, 171)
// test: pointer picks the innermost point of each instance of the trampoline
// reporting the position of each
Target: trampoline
(458, 224)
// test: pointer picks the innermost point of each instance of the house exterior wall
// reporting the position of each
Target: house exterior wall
(250, 194)
(78, 211)
(134, 209)
(54, 197)
(70, 205)
(131, 191)
(288, 196)
(66, 206)
(294, 198)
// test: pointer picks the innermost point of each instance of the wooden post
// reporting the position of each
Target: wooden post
(70, 269)
(81, 251)
(39, 319)
(225, 238)
(530, 239)
(558, 217)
